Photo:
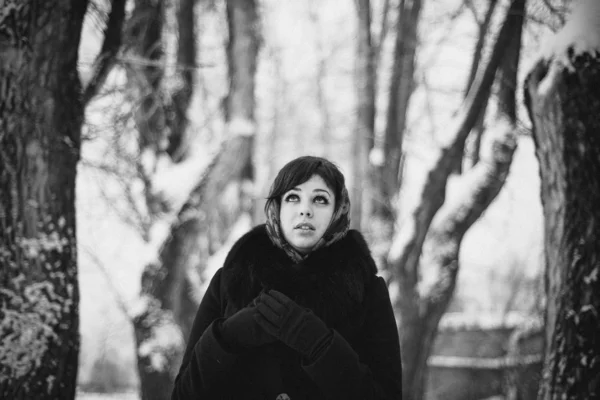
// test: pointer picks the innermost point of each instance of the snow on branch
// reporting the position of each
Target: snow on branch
(580, 35)
(239, 126)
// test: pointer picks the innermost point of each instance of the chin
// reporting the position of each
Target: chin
(303, 247)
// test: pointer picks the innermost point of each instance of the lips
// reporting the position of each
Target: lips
(305, 226)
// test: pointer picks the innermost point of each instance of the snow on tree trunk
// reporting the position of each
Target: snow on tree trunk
(167, 303)
(40, 129)
(561, 94)
(170, 283)
(420, 310)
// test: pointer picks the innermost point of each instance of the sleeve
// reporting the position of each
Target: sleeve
(206, 362)
(373, 372)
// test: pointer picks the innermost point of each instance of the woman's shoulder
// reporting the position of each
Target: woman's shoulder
(356, 240)
(355, 247)
(258, 233)
(251, 242)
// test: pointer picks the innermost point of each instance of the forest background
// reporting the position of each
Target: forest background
(305, 104)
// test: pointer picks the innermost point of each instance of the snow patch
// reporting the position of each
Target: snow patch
(166, 339)
(460, 321)
(376, 157)
(173, 182)
(140, 306)
(33, 247)
(241, 127)
(581, 34)
(27, 327)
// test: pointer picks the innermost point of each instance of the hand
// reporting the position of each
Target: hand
(241, 331)
(295, 326)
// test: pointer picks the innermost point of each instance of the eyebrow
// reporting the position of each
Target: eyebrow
(316, 190)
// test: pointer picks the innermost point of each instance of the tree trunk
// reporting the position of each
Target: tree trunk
(278, 109)
(170, 284)
(322, 72)
(177, 121)
(401, 88)
(107, 57)
(385, 174)
(420, 312)
(167, 291)
(473, 144)
(564, 105)
(40, 131)
(144, 34)
(441, 252)
(158, 340)
(364, 133)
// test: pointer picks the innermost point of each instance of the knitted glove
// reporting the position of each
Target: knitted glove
(242, 332)
(295, 326)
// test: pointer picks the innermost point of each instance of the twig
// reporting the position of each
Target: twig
(118, 297)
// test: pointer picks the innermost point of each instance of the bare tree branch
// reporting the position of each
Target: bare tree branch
(401, 87)
(383, 32)
(482, 184)
(119, 300)
(186, 59)
(421, 312)
(407, 246)
(472, 151)
(560, 14)
(484, 27)
(106, 59)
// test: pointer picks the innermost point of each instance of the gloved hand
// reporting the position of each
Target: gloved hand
(297, 327)
(241, 331)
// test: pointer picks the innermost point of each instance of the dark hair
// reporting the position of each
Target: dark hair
(301, 169)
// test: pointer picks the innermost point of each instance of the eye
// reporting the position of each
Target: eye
(321, 200)
(291, 198)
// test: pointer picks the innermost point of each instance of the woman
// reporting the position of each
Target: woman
(297, 310)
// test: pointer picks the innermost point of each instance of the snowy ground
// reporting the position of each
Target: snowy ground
(107, 396)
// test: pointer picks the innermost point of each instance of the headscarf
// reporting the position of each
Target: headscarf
(337, 229)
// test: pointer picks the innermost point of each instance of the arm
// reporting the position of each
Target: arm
(373, 372)
(206, 362)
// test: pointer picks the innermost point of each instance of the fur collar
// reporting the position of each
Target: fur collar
(331, 281)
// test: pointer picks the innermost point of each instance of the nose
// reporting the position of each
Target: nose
(306, 211)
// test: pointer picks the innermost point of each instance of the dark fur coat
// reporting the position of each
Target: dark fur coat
(339, 284)
(330, 281)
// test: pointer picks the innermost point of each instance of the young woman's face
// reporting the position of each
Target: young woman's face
(306, 212)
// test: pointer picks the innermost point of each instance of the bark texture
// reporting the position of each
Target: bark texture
(41, 114)
(564, 106)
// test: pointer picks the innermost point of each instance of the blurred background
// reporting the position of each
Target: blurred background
(208, 99)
